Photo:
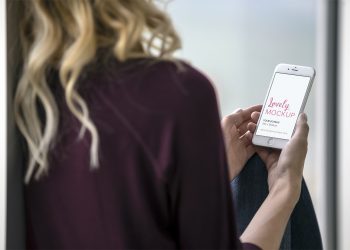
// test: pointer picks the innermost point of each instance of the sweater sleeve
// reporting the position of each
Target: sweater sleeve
(200, 192)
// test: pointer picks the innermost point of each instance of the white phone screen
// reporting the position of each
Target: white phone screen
(282, 106)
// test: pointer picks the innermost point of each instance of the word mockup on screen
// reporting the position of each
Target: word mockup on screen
(282, 106)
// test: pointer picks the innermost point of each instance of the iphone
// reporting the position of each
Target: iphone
(285, 100)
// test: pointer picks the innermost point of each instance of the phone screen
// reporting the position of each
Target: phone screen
(282, 106)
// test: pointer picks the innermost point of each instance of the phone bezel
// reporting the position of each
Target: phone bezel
(273, 142)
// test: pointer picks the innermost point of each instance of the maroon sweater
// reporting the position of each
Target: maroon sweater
(162, 182)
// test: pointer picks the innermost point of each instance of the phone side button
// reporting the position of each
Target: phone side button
(270, 141)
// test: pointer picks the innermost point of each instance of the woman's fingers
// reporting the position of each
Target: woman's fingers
(255, 116)
(269, 156)
(301, 128)
(251, 127)
(234, 133)
(241, 115)
(240, 119)
(243, 128)
(246, 139)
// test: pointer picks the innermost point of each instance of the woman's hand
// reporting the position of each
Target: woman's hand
(285, 169)
(285, 166)
(238, 139)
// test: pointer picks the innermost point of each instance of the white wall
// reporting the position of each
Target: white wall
(3, 143)
(344, 125)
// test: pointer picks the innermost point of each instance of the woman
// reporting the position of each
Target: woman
(149, 169)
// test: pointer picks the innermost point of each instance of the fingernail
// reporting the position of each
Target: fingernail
(304, 116)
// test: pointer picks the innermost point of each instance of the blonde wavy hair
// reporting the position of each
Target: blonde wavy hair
(65, 35)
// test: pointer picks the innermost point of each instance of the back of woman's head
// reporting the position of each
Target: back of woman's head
(65, 35)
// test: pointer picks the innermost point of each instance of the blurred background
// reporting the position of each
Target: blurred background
(237, 44)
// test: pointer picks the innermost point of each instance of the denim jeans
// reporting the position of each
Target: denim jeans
(250, 189)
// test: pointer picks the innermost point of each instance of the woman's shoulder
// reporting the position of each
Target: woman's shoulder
(171, 70)
(175, 79)
(179, 84)
(162, 85)
(188, 76)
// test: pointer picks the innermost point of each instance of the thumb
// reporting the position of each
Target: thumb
(301, 128)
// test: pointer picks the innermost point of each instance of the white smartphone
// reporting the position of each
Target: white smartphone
(285, 100)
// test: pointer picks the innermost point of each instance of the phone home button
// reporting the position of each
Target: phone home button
(270, 141)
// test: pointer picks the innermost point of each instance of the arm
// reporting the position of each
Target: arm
(238, 138)
(268, 225)
(199, 186)
(284, 177)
